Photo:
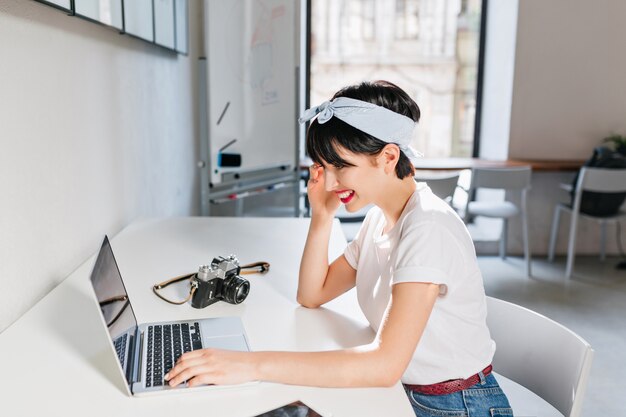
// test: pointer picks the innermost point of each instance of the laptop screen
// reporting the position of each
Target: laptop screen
(113, 299)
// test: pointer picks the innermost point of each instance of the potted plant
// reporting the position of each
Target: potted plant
(618, 142)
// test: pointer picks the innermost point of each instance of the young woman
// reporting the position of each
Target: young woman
(412, 262)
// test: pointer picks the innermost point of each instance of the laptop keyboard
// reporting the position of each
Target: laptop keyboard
(166, 343)
(120, 348)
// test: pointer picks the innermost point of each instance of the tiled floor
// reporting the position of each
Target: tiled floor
(593, 305)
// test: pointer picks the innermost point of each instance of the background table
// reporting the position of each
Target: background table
(457, 164)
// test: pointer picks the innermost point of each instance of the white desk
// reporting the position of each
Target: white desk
(58, 363)
(68, 371)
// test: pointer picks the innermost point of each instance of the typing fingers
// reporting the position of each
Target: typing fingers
(189, 361)
(187, 369)
(190, 374)
(212, 366)
(205, 378)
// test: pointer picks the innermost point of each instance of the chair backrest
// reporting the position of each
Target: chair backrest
(540, 354)
(443, 186)
(514, 178)
(601, 180)
(599, 192)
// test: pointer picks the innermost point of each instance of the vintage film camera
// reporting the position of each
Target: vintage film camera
(219, 281)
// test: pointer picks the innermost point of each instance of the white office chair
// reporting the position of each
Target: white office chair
(600, 180)
(516, 178)
(540, 354)
(442, 185)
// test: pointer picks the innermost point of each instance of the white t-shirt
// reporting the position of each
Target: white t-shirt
(429, 243)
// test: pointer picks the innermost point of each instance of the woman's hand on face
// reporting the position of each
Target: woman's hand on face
(321, 201)
(212, 366)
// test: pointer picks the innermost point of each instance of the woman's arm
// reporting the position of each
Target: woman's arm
(318, 282)
(380, 363)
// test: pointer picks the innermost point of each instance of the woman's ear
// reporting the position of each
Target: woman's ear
(389, 157)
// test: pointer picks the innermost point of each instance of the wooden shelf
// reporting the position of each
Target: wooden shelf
(455, 164)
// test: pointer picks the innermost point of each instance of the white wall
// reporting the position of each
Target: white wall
(569, 89)
(96, 130)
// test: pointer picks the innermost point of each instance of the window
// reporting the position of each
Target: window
(407, 19)
(427, 47)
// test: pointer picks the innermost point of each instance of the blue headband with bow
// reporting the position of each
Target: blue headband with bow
(378, 121)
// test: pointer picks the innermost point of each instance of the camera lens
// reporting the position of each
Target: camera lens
(236, 289)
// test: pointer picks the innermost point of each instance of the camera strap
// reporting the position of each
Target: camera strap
(253, 268)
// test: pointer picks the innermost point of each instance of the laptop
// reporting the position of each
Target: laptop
(146, 352)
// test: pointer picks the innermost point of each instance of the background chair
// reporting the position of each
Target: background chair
(540, 354)
(442, 185)
(516, 178)
(600, 180)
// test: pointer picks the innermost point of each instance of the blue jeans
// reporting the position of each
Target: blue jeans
(484, 399)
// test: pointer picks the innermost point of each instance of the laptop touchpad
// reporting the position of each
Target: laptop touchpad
(236, 342)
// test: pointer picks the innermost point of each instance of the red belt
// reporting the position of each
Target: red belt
(448, 387)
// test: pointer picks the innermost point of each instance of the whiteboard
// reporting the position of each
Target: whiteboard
(252, 92)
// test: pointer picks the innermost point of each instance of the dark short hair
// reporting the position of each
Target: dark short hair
(324, 139)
